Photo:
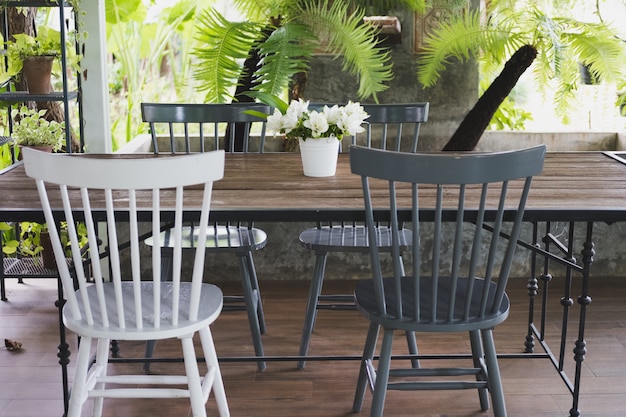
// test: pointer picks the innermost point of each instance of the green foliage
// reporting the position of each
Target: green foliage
(283, 57)
(355, 42)
(24, 243)
(383, 7)
(286, 33)
(152, 60)
(562, 44)
(5, 155)
(32, 129)
(46, 43)
(222, 45)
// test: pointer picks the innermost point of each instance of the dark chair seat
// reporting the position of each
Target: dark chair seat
(350, 238)
(367, 304)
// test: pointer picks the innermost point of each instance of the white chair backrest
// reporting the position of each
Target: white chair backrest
(475, 194)
(97, 189)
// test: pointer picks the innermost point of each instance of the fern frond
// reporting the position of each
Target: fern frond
(383, 6)
(596, 46)
(258, 10)
(286, 51)
(223, 45)
(356, 42)
(463, 37)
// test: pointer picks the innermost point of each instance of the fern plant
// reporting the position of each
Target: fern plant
(562, 44)
(278, 41)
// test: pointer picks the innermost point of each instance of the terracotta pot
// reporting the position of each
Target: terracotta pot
(37, 72)
(47, 254)
(46, 148)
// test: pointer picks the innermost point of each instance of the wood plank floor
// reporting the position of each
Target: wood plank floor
(30, 380)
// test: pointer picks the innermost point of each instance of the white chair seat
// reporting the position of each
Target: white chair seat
(209, 309)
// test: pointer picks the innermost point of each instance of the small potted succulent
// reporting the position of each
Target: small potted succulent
(33, 130)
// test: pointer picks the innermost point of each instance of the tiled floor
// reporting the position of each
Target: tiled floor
(30, 379)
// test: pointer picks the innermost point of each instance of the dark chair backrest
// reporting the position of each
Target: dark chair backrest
(391, 123)
(199, 123)
(482, 199)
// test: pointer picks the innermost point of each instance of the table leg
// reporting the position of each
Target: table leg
(584, 300)
(63, 349)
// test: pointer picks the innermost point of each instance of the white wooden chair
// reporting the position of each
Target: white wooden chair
(129, 307)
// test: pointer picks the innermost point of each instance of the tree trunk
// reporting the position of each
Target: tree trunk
(21, 23)
(477, 119)
(245, 83)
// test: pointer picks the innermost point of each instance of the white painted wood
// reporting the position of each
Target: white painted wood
(137, 307)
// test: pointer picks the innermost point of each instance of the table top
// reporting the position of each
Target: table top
(574, 186)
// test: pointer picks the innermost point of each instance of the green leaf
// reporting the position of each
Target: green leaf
(285, 52)
(271, 100)
(223, 45)
(356, 42)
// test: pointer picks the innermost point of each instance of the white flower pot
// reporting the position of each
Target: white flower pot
(319, 156)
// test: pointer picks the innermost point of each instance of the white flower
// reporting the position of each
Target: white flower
(317, 123)
(299, 122)
(298, 108)
(333, 114)
(275, 122)
(351, 123)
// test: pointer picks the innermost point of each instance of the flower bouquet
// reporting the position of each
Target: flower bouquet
(318, 132)
(298, 122)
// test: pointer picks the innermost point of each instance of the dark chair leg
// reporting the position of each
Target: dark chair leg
(251, 302)
(254, 282)
(311, 308)
(477, 355)
(368, 357)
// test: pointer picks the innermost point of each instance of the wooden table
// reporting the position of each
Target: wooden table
(579, 186)
(575, 187)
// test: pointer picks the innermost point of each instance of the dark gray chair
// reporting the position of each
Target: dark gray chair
(477, 207)
(197, 128)
(391, 123)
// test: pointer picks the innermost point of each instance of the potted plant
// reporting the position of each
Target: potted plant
(32, 129)
(318, 132)
(35, 58)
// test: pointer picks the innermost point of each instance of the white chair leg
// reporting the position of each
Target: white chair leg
(102, 360)
(198, 405)
(210, 356)
(79, 387)
(493, 374)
